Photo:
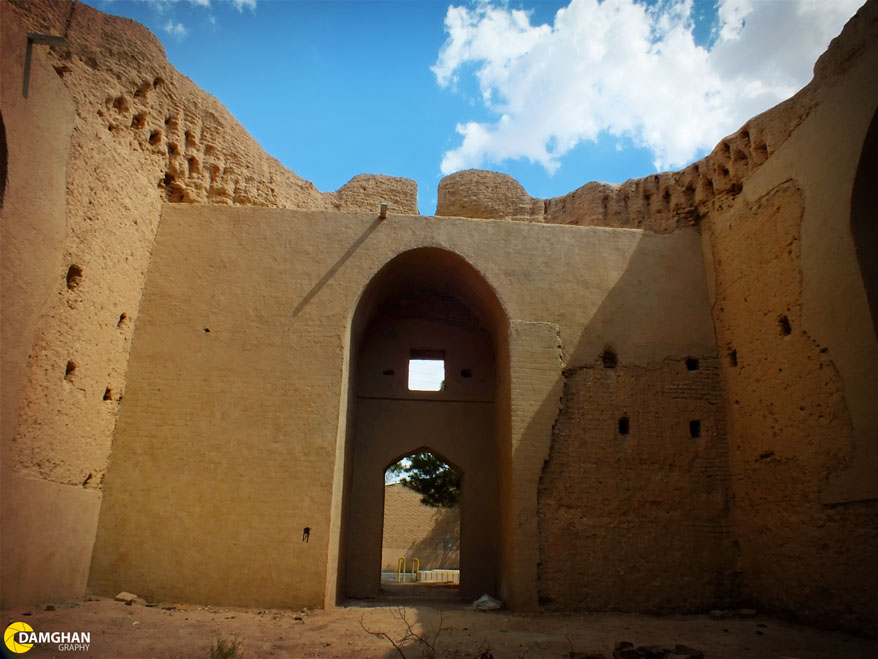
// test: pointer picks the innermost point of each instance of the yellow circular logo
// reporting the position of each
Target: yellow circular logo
(9, 637)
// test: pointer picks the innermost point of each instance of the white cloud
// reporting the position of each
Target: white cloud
(631, 70)
(162, 5)
(175, 29)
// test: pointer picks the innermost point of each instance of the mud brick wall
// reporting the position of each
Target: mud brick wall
(634, 500)
(414, 530)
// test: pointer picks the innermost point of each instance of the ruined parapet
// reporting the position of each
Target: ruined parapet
(137, 135)
(660, 203)
(143, 135)
(130, 99)
(362, 192)
(480, 194)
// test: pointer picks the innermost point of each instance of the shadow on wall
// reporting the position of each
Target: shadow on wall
(415, 530)
(4, 160)
(439, 549)
(657, 308)
(864, 217)
(633, 501)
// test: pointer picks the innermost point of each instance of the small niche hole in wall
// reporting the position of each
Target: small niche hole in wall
(624, 425)
(4, 160)
(69, 370)
(388, 371)
(426, 370)
(108, 394)
(466, 373)
(74, 276)
(733, 357)
(691, 364)
(785, 328)
(609, 358)
(695, 429)
(122, 318)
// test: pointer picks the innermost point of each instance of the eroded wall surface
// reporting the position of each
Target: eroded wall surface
(109, 133)
(46, 525)
(799, 355)
(634, 499)
(797, 359)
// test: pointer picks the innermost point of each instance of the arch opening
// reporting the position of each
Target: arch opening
(420, 548)
(427, 304)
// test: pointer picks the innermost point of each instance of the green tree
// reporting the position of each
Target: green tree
(436, 482)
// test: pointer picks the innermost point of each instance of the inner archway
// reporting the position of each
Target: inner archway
(420, 549)
(425, 305)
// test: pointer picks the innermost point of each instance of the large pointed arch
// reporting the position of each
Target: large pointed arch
(424, 300)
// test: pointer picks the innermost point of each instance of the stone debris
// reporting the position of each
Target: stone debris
(627, 650)
(126, 597)
(722, 614)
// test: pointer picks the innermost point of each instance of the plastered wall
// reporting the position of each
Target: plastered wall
(226, 443)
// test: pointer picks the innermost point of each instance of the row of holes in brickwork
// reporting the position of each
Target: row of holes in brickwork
(625, 427)
(70, 376)
(785, 327)
(74, 278)
(609, 359)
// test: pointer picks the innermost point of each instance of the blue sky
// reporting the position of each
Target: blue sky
(418, 88)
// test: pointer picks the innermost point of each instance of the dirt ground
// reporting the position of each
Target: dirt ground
(180, 630)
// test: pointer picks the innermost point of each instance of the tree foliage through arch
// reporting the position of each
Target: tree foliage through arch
(436, 482)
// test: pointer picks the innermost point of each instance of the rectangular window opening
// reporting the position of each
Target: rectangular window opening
(427, 370)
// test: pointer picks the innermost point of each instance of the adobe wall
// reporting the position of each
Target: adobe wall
(227, 440)
(635, 497)
(46, 527)
(800, 359)
(119, 140)
(797, 343)
(415, 530)
(113, 132)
